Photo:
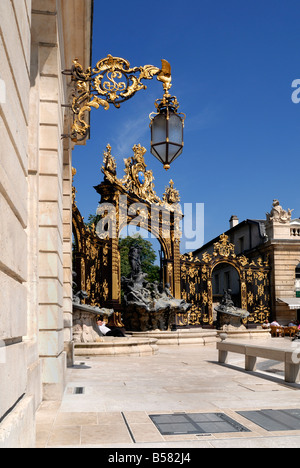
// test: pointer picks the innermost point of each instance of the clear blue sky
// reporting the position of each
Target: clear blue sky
(233, 63)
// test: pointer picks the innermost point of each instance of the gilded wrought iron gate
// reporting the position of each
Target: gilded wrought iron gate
(197, 286)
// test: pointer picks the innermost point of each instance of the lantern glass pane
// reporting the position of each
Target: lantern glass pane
(175, 129)
(173, 149)
(177, 152)
(161, 150)
(158, 129)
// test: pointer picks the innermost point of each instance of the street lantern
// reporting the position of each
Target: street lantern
(166, 130)
(113, 81)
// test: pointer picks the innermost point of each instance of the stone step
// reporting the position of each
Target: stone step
(182, 337)
(148, 343)
(115, 346)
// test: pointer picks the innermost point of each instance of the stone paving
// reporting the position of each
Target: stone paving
(108, 400)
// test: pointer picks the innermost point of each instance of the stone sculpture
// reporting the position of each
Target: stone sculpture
(228, 316)
(148, 306)
(85, 328)
(278, 213)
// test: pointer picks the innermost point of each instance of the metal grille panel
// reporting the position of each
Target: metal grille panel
(195, 423)
(274, 420)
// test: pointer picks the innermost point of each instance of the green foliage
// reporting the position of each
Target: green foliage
(92, 219)
(148, 256)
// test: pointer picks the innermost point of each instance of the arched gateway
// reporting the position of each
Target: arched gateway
(132, 200)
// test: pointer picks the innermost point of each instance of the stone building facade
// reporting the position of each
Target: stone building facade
(38, 39)
(276, 238)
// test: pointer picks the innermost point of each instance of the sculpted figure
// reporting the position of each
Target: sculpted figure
(135, 259)
(278, 213)
(148, 306)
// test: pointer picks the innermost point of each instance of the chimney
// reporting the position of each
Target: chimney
(234, 220)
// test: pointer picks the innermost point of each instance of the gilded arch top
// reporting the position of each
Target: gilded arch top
(138, 181)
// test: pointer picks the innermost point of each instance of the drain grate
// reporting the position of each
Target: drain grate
(195, 423)
(78, 391)
(274, 420)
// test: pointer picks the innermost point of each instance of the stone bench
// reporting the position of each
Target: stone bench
(252, 352)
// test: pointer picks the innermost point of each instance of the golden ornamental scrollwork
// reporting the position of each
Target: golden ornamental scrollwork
(194, 316)
(192, 288)
(249, 275)
(171, 195)
(138, 179)
(105, 255)
(243, 260)
(250, 298)
(253, 278)
(223, 247)
(206, 257)
(260, 313)
(111, 81)
(204, 298)
(105, 290)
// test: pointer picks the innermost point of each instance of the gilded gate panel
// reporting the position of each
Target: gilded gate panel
(91, 257)
(197, 289)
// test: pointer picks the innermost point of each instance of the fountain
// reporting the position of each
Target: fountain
(148, 306)
(88, 339)
(230, 317)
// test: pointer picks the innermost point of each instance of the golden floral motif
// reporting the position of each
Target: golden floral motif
(243, 260)
(206, 257)
(112, 81)
(105, 253)
(260, 290)
(224, 248)
(192, 288)
(250, 298)
(137, 179)
(204, 297)
(260, 275)
(249, 275)
(171, 195)
(105, 290)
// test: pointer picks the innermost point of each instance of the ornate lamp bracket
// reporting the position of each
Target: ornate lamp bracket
(112, 81)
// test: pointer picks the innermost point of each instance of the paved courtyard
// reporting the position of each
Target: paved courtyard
(111, 402)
